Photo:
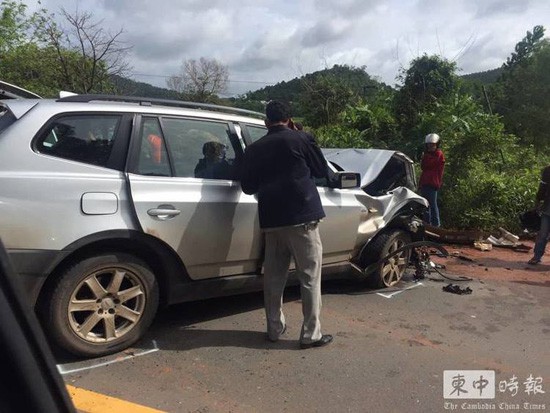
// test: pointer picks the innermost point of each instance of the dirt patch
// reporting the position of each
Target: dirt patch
(498, 264)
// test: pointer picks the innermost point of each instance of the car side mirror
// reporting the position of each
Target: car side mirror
(342, 180)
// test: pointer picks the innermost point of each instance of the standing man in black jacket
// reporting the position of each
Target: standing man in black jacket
(542, 205)
(280, 168)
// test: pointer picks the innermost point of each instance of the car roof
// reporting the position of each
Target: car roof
(130, 104)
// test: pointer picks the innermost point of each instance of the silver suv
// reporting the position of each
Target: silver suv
(111, 206)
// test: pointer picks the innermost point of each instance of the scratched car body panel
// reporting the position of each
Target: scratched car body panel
(111, 207)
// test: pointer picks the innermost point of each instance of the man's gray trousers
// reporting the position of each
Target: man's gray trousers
(302, 243)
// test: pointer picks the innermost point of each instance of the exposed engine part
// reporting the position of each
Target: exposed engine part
(420, 258)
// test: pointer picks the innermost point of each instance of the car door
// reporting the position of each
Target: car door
(344, 212)
(185, 191)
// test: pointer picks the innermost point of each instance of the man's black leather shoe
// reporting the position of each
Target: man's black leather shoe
(323, 341)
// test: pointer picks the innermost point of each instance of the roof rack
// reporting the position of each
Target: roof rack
(161, 102)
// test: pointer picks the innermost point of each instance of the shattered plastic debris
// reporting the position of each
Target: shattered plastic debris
(483, 246)
(455, 289)
(508, 240)
(508, 236)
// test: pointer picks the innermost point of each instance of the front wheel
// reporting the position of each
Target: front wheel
(101, 305)
(391, 270)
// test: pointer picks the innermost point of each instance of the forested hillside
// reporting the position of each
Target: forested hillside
(289, 91)
(127, 87)
(487, 77)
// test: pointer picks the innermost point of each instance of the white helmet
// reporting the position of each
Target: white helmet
(432, 138)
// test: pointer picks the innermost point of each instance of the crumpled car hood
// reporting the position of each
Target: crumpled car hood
(367, 162)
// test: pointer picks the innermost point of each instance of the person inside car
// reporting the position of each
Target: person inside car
(214, 165)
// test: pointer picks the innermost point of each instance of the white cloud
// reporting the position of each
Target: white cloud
(269, 42)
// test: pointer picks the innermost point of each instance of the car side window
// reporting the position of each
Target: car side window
(200, 148)
(256, 132)
(83, 138)
(153, 159)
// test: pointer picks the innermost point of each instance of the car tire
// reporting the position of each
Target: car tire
(389, 272)
(101, 305)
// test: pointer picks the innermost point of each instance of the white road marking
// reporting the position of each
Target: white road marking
(65, 368)
(400, 291)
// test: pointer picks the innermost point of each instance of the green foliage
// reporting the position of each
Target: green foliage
(375, 120)
(13, 25)
(428, 79)
(37, 55)
(478, 85)
(369, 124)
(324, 99)
(525, 48)
(485, 78)
(16, 28)
(522, 94)
(32, 68)
(22, 61)
(489, 177)
(483, 198)
(339, 136)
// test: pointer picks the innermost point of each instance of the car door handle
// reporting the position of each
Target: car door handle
(163, 212)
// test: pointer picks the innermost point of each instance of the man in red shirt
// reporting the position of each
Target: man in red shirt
(433, 163)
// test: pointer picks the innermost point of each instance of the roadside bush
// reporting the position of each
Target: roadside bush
(484, 199)
(366, 125)
(489, 177)
(339, 136)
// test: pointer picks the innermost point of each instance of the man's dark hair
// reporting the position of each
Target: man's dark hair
(277, 111)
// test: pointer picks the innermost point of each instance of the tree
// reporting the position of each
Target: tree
(323, 98)
(13, 25)
(200, 81)
(86, 53)
(428, 80)
(522, 93)
(41, 54)
(32, 68)
(23, 61)
(525, 48)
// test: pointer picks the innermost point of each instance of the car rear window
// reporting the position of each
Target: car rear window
(83, 138)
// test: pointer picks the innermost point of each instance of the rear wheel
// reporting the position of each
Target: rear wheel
(391, 270)
(101, 305)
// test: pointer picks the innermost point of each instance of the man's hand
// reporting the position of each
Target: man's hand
(291, 125)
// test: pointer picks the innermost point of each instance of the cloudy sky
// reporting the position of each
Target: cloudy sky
(265, 42)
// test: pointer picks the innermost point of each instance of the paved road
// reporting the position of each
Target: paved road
(389, 354)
